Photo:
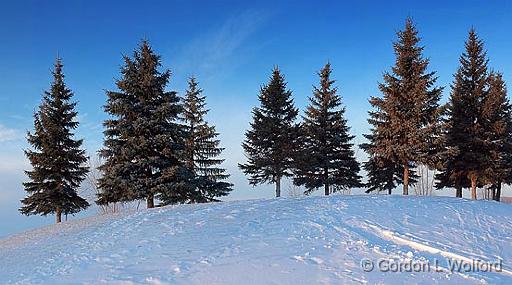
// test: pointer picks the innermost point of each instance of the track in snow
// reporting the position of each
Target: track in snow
(312, 240)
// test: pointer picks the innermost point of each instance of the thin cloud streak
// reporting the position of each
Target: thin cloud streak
(8, 134)
(222, 49)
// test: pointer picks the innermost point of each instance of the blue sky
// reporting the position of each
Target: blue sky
(231, 47)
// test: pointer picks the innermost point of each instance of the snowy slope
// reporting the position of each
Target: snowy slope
(313, 240)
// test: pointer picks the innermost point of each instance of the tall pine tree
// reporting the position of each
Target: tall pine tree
(405, 120)
(326, 158)
(466, 151)
(144, 141)
(383, 174)
(115, 183)
(57, 160)
(269, 144)
(497, 125)
(202, 149)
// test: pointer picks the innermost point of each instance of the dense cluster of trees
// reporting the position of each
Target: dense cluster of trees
(159, 147)
(477, 134)
(317, 152)
(467, 140)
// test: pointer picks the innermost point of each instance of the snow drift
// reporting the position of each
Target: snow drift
(312, 240)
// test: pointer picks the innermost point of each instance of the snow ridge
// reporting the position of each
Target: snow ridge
(312, 240)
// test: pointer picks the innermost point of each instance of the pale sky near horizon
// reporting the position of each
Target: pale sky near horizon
(231, 47)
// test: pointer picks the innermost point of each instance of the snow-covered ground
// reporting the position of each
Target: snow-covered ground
(312, 240)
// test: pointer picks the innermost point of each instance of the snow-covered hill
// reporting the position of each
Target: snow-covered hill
(314, 240)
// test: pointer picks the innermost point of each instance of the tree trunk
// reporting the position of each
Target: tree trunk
(150, 201)
(458, 192)
(497, 197)
(389, 191)
(406, 179)
(278, 187)
(326, 181)
(473, 186)
(58, 215)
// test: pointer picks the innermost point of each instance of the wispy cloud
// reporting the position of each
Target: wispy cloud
(221, 49)
(89, 124)
(8, 134)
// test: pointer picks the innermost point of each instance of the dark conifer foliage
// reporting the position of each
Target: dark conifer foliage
(326, 158)
(383, 175)
(115, 181)
(202, 149)
(445, 178)
(269, 144)
(497, 125)
(144, 141)
(405, 119)
(465, 158)
(57, 160)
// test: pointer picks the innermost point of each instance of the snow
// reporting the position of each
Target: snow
(311, 240)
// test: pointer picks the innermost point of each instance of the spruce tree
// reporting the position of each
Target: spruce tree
(383, 174)
(115, 183)
(405, 120)
(497, 125)
(326, 158)
(144, 141)
(445, 162)
(202, 149)
(58, 162)
(466, 151)
(269, 144)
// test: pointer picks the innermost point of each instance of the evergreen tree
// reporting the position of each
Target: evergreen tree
(464, 139)
(326, 157)
(144, 143)
(115, 183)
(202, 148)
(269, 145)
(383, 174)
(445, 160)
(57, 160)
(405, 122)
(497, 125)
